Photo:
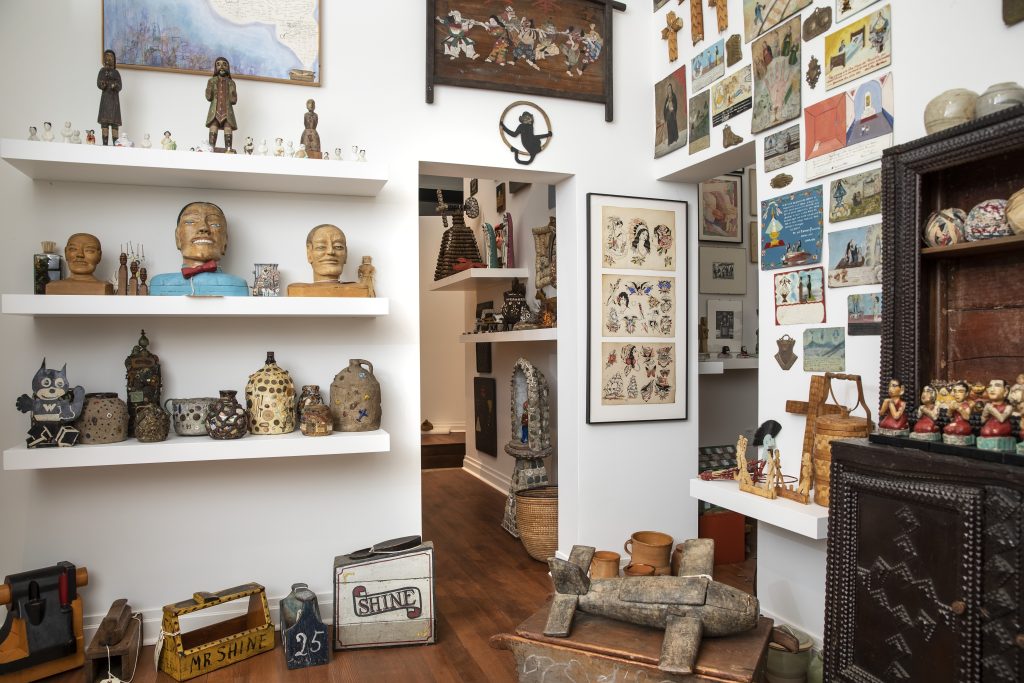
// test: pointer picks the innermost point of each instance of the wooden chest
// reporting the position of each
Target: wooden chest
(187, 655)
(384, 598)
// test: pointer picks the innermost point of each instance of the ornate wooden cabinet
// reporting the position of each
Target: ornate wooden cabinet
(924, 575)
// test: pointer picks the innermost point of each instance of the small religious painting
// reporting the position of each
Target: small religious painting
(782, 149)
(825, 349)
(759, 16)
(855, 196)
(858, 48)
(865, 314)
(855, 256)
(670, 113)
(849, 129)
(723, 270)
(485, 417)
(791, 229)
(731, 96)
(474, 185)
(725, 322)
(638, 374)
(636, 238)
(636, 306)
(800, 297)
(847, 8)
(700, 122)
(720, 210)
(708, 66)
(499, 197)
(776, 58)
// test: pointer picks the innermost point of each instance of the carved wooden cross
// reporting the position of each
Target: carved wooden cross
(669, 33)
(722, 6)
(696, 21)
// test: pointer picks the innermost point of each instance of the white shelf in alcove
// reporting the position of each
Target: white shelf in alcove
(156, 167)
(42, 306)
(540, 334)
(717, 367)
(472, 278)
(807, 520)
(197, 449)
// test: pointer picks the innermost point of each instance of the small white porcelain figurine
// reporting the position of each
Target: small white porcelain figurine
(337, 154)
(362, 155)
(289, 149)
(278, 147)
(263, 150)
(326, 156)
(248, 147)
(65, 132)
(32, 134)
(76, 137)
(146, 142)
(122, 140)
(47, 131)
(300, 153)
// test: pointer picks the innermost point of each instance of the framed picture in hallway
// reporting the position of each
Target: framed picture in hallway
(637, 316)
(485, 415)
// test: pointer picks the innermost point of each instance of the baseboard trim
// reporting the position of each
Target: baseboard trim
(447, 428)
(488, 475)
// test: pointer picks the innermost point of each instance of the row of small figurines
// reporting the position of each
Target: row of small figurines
(992, 409)
(280, 148)
(988, 219)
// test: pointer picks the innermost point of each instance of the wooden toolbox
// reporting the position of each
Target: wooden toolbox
(384, 595)
(187, 655)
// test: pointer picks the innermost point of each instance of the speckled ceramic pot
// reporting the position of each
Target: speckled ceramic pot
(999, 96)
(1015, 212)
(152, 423)
(355, 398)
(188, 415)
(104, 419)
(945, 227)
(227, 418)
(987, 220)
(949, 109)
(270, 399)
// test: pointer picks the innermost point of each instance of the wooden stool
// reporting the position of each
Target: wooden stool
(620, 651)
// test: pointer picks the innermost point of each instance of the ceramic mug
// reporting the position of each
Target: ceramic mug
(638, 570)
(605, 565)
(188, 415)
(649, 547)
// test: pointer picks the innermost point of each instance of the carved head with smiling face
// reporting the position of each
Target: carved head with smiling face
(83, 254)
(202, 233)
(327, 252)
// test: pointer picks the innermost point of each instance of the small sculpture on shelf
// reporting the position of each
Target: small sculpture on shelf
(48, 132)
(201, 236)
(926, 427)
(227, 419)
(65, 132)
(278, 147)
(249, 147)
(726, 352)
(144, 379)
(82, 253)
(337, 154)
(266, 280)
(90, 137)
(123, 140)
(458, 241)
(300, 153)
(355, 398)
(76, 137)
(222, 96)
(109, 81)
(270, 399)
(367, 272)
(32, 134)
(167, 143)
(310, 138)
(303, 633)
(327, 253)
(47, 267)
(146, 143)
(958, 432)
(997, 430)
(893, 413)
(53, 406)
(263, 150)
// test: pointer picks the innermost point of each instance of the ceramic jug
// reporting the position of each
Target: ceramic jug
(355, 398)
(270, 399)
(152, 423)
(227, 418)
(104, 419)
(189, 415)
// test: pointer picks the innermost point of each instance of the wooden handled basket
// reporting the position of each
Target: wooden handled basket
(835, 423)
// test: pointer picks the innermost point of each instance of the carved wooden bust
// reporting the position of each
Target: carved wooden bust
(327, 253)
(83, 253)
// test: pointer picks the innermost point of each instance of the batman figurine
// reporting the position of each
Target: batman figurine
(53, 406)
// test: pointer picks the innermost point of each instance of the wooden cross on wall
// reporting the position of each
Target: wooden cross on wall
(696, 21)
(670, 33)
(722, 6)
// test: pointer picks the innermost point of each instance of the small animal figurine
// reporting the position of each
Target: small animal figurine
(300, 153)
(53, 406)
(76, 137)
(47, 131)
(337, 154)
(263, 150)
(123, 141)
(146, 142)
(65, 132)
(167, 143)
(90, 136)
(32, 134)
(248, 147)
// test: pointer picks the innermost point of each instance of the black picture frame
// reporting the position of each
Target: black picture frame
(485, 415)
(499, 197)
(483, 358)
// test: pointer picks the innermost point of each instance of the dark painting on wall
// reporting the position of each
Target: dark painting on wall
(485, 412)
(483, 358)
(499, 197)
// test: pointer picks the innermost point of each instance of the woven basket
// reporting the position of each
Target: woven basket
(537, 520)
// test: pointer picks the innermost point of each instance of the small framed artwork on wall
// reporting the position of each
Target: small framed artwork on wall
(725, 323)
(723, 270)
(485, 415)
(719, 205)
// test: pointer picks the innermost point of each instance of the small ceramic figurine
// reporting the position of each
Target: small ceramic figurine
(76, 137)
(65, 132)
(263, 150)
(310, 137)
(53, 405)
(289, 149)
(337, 154)
(300, 153)
(327, 253)
(82, 253)
(925, 428)
(32, 130)
(167, 143)
(204, 146)
(222, 96)
(90, 137)
(109, 81)
(743, 353)
(366, 274)
(958, 432)
(1017, 390)
(47, 131)
(894, 412)
(202, 238)
(249, 146)
(278, 147)
(326, 156)
(123, 141)
(726, 352)
(362, 155)
(146, 142)
(997, 432)
(355, 152)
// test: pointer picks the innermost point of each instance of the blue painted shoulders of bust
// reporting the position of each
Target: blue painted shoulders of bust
(217, 283)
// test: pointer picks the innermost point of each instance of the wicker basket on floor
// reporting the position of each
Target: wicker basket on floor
(537, 520)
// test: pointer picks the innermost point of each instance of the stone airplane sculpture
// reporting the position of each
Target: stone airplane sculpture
(688, 606)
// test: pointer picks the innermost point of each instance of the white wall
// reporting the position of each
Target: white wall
(158, 533)
(791, 568)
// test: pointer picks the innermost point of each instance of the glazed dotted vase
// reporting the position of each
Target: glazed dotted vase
(355, 398)
(152, 423)
(104, 419)
(270, 399)
(227, 419)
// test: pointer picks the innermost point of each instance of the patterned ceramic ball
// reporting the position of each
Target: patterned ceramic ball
(945, 227)
(987, 220)
(1015, 212)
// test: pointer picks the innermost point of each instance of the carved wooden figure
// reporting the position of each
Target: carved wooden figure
(670, 33)
(82, 253)
(327, 253)
(114, 650)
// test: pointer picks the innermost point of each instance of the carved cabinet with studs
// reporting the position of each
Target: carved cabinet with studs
(924, 571)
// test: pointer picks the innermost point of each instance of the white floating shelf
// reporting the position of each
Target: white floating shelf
(472, 278)
(710, 367)
(807, 520)
(187, 306)
(540, 334)
(717, 367)
(157, 167)
(197, 449)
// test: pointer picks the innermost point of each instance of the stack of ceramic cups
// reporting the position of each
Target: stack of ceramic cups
(649, 554)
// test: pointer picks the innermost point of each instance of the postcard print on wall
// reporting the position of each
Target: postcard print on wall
(731, 96)
(847, 8)
(825, 349)
(855, 196)
(725, 325)
(722, 270)
(761, 15)
(858, 48)
(636, 238)
(636, 320)
(670, 113)
(791, 229)
(864, 314)
(800, 297)
(855, 256)
(849, 129)
(776, 58)
(782, 149)
(719, 204)
(637, 306)
(708, 66)
(700, 122)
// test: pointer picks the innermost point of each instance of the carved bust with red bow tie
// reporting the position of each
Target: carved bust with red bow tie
(202, 238)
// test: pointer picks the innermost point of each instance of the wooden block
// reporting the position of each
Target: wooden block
(115, 647)
(338, 289)
(306, 642)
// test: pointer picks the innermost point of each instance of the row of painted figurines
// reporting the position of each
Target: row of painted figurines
(956, 403)
(201, 236)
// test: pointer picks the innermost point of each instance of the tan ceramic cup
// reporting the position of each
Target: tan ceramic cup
(605, 565)
(638, 570)
(649, 547)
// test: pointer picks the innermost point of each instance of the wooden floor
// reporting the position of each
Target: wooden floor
(486, 583)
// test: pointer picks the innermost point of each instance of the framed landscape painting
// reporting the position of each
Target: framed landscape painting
(636, 309)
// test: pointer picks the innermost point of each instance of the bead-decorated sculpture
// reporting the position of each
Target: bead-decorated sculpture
(270, 399)
(53, 405)
(531, 436)
(459, 249)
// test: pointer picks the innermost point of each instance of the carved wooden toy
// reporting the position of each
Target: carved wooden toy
(114, 650)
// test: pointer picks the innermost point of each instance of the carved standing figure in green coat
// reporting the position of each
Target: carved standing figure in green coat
(222, 96)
